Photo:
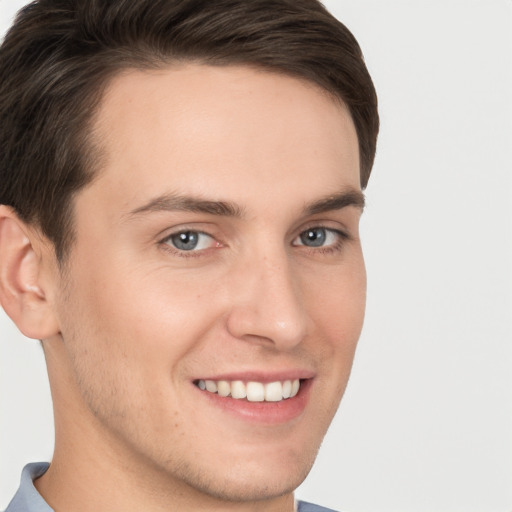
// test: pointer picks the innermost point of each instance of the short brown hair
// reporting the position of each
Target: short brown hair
(59, 56)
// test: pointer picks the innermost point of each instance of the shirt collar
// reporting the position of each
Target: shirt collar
(27, 499)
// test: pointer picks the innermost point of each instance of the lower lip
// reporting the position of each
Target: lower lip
(270, 413)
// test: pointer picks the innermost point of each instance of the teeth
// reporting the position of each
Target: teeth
(238, 389)
(295, 387)
(273, 392)
(252, 391)
(223, 388)
(211, 386)
(255, 392)
(287, 389)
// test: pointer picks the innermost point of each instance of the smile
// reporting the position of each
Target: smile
(252, 391)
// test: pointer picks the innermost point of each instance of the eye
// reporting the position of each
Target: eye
(318, 237)
(190, 241)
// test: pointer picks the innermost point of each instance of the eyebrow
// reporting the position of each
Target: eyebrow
(185, 203)
(339, 201)
(175, 202)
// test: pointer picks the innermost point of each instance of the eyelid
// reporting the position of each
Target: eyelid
(341, 233)
(167, 245)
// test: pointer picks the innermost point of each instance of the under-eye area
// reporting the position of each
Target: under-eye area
(251, 391)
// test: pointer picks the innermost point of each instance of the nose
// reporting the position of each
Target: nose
(266, 304)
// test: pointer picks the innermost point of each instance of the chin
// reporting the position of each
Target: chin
(246, 486)
(251, 480)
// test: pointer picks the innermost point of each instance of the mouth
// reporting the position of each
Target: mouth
(261, 398)
(252, 391)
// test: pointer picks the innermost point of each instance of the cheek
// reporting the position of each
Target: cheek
(337, 307)
(127, 349)
(139, 326)
(339, 301)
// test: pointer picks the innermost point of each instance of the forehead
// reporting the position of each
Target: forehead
(210, 125)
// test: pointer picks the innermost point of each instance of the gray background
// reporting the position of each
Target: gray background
(426, 423)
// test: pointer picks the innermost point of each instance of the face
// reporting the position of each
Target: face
(212, 302)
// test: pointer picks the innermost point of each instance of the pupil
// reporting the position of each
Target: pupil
(313, 237)
(185, 241)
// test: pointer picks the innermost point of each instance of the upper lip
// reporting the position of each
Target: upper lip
(262, 376)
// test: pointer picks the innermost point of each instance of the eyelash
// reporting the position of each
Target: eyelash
(341, 236)
(166, 244)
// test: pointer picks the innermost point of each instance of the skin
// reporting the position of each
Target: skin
(131, 321)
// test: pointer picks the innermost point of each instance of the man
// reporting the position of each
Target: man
(181, 192)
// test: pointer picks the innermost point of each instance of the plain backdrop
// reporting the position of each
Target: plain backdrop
(426, 423)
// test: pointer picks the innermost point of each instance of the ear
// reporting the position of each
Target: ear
(22, 294)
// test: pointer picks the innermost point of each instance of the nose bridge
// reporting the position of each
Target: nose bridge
(269, 304)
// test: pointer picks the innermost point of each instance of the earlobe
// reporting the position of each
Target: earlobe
(21, 294)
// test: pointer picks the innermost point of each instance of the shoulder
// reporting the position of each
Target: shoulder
(303, 506)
